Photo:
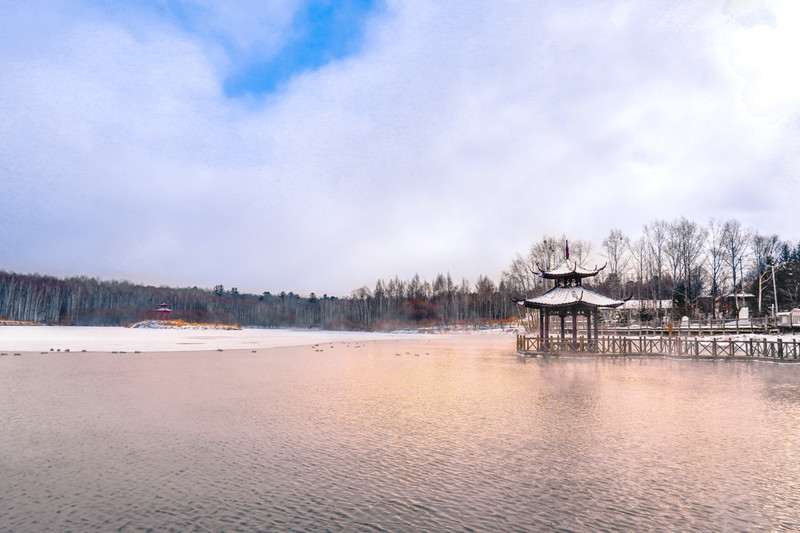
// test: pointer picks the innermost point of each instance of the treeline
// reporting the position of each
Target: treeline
(712, 269)
(391, 305)
(703, 269)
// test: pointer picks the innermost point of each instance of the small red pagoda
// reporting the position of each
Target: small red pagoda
(569, 298)
(163, 311)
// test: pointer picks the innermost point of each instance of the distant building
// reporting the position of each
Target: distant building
(725, 305)
(789, 320)
(163, 311)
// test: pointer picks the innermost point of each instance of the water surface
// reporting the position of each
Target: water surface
(396, 436)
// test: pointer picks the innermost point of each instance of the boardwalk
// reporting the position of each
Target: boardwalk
(761, 349)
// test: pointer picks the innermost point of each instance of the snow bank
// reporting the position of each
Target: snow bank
(161, 324)
(108, 339)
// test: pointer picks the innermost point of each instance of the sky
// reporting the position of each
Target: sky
(315, 146)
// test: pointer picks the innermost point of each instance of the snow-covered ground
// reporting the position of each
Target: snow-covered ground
(108, 339)
(169, 324)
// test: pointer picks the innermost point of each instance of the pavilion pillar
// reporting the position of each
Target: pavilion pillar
(541, 322)
(574, 325)
(547, 323)
(596, 324)
(561, 315)
(588, 315)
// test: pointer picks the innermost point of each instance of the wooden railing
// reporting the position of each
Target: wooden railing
(680, 346)
(692, 328)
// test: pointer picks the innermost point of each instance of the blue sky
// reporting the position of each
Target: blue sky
(319, 146)
(320, 32)
(313, 34)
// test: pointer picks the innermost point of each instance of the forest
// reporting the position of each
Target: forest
(693, 264)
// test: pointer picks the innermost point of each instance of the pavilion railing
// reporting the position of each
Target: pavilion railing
(679, 346)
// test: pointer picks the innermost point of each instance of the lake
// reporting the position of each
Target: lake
(449, 433)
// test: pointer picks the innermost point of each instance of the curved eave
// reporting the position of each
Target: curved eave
(538, 305)
(550, 275)
(564, 297)
(569, 269)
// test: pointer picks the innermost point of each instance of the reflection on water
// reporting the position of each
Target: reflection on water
(374, 438)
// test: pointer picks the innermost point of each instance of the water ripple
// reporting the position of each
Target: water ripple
(363, 440)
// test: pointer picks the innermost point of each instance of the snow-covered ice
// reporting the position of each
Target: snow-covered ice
(107, 339)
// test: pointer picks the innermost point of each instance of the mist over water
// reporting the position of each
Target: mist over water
(396, 436)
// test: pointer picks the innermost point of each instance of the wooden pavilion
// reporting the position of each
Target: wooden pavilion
(163, 311)
(569, 298)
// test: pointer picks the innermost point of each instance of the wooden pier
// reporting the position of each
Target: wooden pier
(755, 349)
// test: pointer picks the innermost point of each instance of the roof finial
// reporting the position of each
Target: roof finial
(566, 248)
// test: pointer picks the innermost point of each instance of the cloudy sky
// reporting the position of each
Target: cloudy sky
(317, 146)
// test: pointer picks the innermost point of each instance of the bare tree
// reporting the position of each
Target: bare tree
(656, 234)
(547, 253)
(640, 257)
(715, 255)
(766, 249)
(735, 241)
(485, 289)
(579, 250)
(520, 277)
(766, 252)
(684, 250)
(616, 248)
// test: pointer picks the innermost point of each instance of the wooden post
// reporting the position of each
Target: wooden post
(697, 347)
(780, 348)
(574, 325)
(714, 347)
(541, 324)
(588, 327)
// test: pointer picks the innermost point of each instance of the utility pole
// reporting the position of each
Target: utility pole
(775, 290)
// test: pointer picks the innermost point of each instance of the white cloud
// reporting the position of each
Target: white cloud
(457, 133)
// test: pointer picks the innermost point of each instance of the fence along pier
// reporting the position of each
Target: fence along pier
(756, 349)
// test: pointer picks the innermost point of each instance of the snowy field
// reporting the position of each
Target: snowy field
(108, 339)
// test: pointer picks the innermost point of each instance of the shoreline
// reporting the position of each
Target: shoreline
(93, 339)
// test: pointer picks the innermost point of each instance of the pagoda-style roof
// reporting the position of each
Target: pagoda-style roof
(569, 273)
(569, 269)
(569, 297)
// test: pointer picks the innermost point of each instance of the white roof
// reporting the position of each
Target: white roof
(569, 267)
(566, 296)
